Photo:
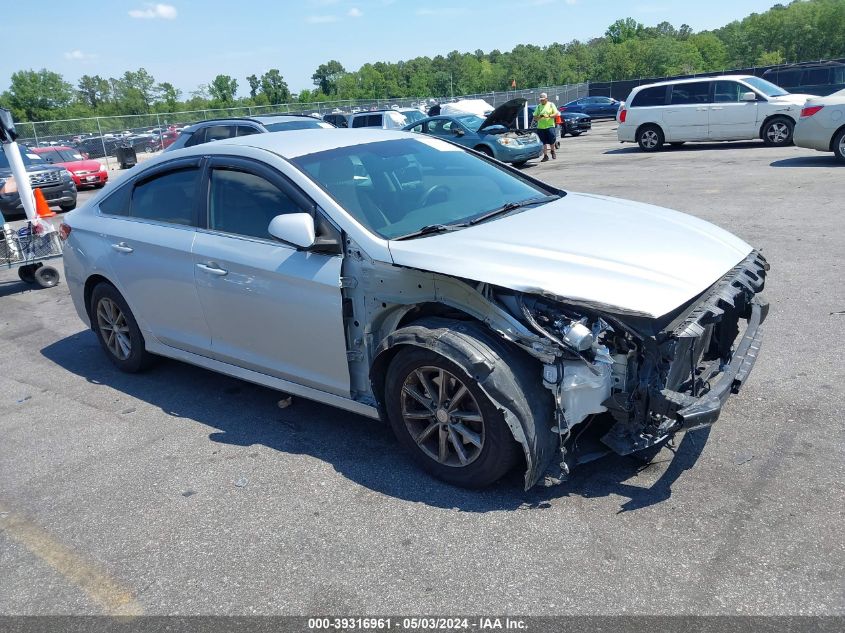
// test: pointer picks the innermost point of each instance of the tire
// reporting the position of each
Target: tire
(575, 133)
(27, 272)
(104, 300)
(440, 451)
(778, 131)
(650, 138)
(99, 185)
(839, 145)
(47, 276)
(520, 163)
(485, 150)
(68, 207)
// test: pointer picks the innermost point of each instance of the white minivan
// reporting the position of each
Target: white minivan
(724, 108)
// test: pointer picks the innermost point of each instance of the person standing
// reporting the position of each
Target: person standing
(544, 115)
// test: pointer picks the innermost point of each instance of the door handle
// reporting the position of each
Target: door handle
(212, 269)
(122, 247)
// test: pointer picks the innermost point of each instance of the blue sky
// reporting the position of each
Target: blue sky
(188, 42)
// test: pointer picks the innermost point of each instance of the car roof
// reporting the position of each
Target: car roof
(295, 143)
(52, 147)
(261, 119)
(693, 80)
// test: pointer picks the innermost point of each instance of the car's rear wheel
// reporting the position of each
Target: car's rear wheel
(778, 132)
(839, 145)
(446, 421)
(69, 206)
(650, 138)
(575, 133)
(117, 330)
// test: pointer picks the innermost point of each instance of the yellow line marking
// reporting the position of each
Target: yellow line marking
(96, 583)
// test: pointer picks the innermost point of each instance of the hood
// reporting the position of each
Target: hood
(574, 115)
(505, 114)
(81, 165)
(7, 171)
(627, 256)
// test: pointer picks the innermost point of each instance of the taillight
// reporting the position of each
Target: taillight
(623, 114)
(810, 111)
(64, 231)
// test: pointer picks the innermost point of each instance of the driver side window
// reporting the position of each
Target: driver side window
(243, 203)
(440, 127)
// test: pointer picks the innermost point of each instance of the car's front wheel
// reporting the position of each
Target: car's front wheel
(446, 421)
(69, 206)
(650, 138)
(117, 330)
(778, 132)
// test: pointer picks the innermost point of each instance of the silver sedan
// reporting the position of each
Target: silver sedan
(822, 125)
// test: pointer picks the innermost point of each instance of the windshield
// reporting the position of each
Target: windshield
(396, 187)
(766, 87)
(413, 115)
(471, 121)
(286, 126)
(61, 156)
(28, 157)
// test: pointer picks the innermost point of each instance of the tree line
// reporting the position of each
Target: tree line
(801, 30)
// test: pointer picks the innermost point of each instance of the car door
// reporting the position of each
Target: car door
(687, 116)
(451, 130)
(149, 225)
(271, 307)
(731, 118)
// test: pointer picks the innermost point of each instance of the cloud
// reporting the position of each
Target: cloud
(78, 55)
(153, 11)
(321, 19)
(355, 12)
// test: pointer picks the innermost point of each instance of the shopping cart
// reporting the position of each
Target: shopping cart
(27, 251)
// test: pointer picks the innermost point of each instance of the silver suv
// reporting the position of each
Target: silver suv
(220, 129)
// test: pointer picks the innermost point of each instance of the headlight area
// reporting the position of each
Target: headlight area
(651, 385)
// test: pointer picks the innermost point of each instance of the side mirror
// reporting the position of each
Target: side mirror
(293, 228)
(749, 96)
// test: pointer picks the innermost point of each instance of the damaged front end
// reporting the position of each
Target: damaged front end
(655, 377)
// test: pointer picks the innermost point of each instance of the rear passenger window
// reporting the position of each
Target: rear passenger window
(167, 198)
(219, 132)
(246, 130)
(728, 92)
(243, 203)
(691, 94)
(117, 203)
(654, 96)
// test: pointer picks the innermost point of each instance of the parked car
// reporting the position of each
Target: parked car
(485, 314)
(97, 146)
(384, 119)
(85, 172)
(337, 119)
(219, 129)
(822, 125)
(412, 115)
(495, 136)
(54, 181)
(575, 123)
(596, 107)
(723, 108)
(814, 78)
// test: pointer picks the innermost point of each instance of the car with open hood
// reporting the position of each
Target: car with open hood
(488, 316)
(496, 135)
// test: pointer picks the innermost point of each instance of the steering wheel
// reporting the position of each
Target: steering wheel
(431, 192)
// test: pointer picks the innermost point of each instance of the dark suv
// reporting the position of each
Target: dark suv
(54, 182)
(219, 129)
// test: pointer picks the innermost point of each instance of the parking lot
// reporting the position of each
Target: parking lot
(181, 491)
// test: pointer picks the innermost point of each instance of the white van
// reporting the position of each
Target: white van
(385, 119)
(724, 108)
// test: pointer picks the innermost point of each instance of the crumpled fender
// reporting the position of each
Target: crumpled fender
(508, 376)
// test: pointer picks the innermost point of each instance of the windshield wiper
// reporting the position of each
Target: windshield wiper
(511, 206)
(431, 229)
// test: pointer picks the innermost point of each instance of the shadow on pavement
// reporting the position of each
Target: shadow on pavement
(17, 287)
(691, 147)
(360, 449)
(820, 160)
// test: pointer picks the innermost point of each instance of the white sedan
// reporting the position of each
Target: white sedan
(822, 125)
(487, 315)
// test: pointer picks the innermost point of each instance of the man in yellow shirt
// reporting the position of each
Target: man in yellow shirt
(544, 115)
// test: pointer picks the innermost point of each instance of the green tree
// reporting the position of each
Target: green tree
(93, 91)
(168, 95)
(327, 75)
(223, 89)
(622, 30)
(274, 87)
(37, 95)
(254, 86)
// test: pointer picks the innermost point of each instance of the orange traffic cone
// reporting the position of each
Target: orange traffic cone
(42, 209)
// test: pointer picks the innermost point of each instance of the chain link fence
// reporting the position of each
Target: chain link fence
(99, 137)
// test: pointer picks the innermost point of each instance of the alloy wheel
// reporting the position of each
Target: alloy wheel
(842, 146)
(778, 132)
(649, 139)
(113, 328)
(442, 416)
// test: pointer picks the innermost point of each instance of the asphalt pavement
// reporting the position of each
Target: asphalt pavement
(180, 491)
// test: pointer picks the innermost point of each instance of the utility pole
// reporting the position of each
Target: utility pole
(451, 89)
